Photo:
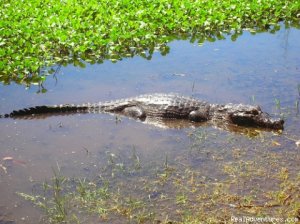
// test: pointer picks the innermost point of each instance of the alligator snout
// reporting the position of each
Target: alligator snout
(275, 123)
(259, 119)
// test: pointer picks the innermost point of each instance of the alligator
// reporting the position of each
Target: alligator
(165, 106)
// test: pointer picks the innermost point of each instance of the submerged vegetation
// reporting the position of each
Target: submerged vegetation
(37, 35)
(256, 178)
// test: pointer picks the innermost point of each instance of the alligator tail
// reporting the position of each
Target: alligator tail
(49, 109)
(113, 106)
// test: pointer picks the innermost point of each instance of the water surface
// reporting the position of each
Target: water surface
(259, 69)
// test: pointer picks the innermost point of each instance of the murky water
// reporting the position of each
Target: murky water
(259, 69)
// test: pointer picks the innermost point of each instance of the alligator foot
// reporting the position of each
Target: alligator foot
(134, 112)
(199, 115)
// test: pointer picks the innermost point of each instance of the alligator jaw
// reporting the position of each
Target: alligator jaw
(261, 119)
(266, 121)
(245, 115)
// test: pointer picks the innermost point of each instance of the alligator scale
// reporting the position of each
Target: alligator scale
(165, 106)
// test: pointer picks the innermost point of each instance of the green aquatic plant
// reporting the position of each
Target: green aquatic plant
(56, 209)
(38, 35)
(235, 179)
(277, 103)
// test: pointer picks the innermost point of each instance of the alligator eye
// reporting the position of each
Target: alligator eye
(252, 112)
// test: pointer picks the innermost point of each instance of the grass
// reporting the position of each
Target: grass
(37, 35)
(249, 178)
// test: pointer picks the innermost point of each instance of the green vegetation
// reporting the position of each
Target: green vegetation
(36, 35)
(234, 179)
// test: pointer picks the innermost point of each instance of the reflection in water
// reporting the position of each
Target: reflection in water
(145, 50)
(182, 124)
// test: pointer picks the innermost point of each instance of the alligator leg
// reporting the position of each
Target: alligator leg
(199, 115)
(135, 112)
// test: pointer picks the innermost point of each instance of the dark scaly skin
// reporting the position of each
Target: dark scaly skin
(166, 106)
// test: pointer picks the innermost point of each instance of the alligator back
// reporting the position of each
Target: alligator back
(157, 105)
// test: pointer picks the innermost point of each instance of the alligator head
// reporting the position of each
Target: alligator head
(246, 115)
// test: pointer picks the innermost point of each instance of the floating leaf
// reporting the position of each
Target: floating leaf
(3, 168)
(7, 158)
(275, 143)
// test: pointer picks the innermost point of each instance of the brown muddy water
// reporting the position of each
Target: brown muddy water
(178, 174)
